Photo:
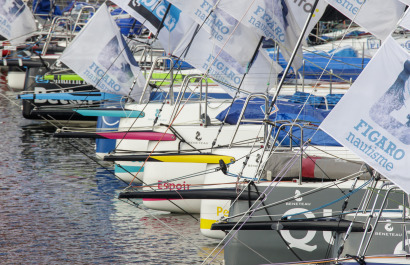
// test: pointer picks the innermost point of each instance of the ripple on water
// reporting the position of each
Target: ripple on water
(59, 207)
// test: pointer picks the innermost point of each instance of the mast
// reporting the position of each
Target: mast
(292, 57)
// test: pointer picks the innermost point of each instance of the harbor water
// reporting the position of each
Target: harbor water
(59, 205)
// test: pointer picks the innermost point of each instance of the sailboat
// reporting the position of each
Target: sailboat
(248, 242)
(202, 166)
(151, 114)
(157, 174)
(264, 237)
(199, 139)
(351, 188)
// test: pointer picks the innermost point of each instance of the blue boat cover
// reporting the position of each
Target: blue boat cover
(288, 111)
(127, 25)
(161, 95)
(178, 64)
(345, 64)
(44, 7)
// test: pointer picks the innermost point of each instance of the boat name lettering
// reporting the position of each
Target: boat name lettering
(220, 210)
(101, 78)
(388, 234)
(300, 243)
(352, 6)
(155, 10)
(69, 82)
(58, 81)
(269, 27)
(41, 90)
(299, 203)
(198, 142)
(379, 141)
(304, 242)
(218, 30)
(221, 71)
(162, 185)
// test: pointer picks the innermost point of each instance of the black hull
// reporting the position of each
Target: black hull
(52, 109)
(211, 194)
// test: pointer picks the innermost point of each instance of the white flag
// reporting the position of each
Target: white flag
(373, 118)
(405, 22)
(195, 45)
(204, 55)
(270, 18)
(379, 17)
(16, 21)
(225, 31)
(101, 57)
(159, 16)
(301, 9)
(407, 2)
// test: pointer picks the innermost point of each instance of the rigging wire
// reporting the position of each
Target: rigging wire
(112, 63)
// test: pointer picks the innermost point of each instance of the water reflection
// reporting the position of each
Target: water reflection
(59, 207)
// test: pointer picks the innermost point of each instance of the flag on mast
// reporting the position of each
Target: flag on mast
(219, 64)
(379, 17)
(301, 9)
(272, 19)
(405, 22)
(373, 120)
(100, 55)
(160, 18)
(195, 44)
(16, 21)
(224, 30)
